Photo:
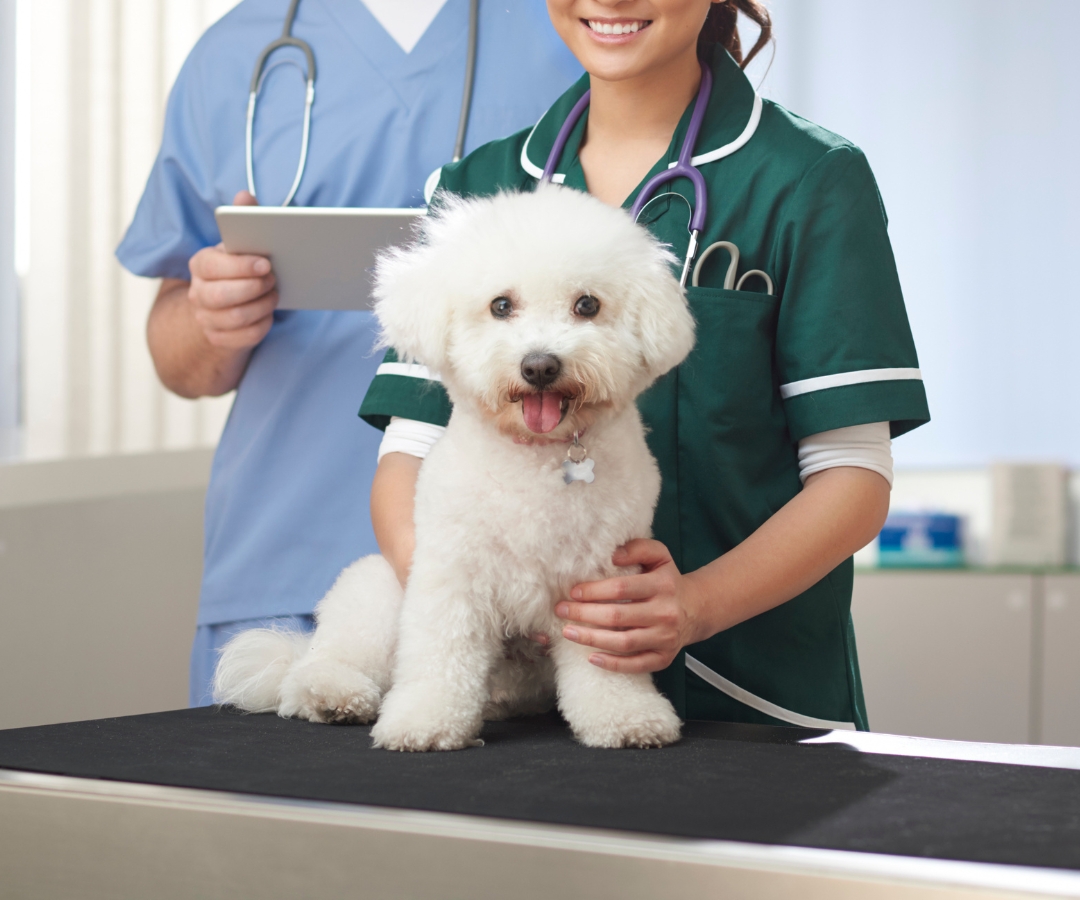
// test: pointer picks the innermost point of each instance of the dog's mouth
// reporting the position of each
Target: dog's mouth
(544, 410)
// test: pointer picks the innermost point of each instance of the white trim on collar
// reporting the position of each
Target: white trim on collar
(536, 171)
(719, 153)
(741, 141)
(527, 163)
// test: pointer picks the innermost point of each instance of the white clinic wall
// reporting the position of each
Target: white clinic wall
(94, 84)
(967, 111)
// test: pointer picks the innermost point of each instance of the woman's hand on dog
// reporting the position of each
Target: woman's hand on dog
(638, 623)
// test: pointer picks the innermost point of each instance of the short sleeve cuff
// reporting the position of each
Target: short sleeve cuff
(405, 396)
(900, 403)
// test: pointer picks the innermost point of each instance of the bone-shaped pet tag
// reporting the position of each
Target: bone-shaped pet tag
(577, 466)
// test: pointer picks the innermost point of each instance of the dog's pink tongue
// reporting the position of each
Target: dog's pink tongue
(542, 412)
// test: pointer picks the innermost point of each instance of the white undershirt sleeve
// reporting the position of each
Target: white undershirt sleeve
(861, 446)
(409, 436)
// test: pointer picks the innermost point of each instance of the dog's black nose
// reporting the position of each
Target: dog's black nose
(540, 369)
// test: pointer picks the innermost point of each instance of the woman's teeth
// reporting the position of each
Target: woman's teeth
(617, 28)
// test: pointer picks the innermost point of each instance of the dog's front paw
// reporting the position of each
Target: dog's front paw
(411, 721)
(646, 721)
(329, 691)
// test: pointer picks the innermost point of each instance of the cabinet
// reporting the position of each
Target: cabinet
(1059, 722)
(968, 655)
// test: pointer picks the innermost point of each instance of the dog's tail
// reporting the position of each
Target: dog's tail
(253, 665)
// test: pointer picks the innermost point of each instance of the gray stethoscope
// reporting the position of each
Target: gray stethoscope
(287, 40)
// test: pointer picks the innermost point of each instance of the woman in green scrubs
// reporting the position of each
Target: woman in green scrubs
(742, 609)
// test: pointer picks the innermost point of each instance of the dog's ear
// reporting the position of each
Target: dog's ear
(411, 304)
(664, 319)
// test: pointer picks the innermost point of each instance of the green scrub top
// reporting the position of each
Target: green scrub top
(831, 349)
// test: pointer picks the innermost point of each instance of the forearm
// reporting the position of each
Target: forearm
(393, 492)
(838, 512)
(186, 362)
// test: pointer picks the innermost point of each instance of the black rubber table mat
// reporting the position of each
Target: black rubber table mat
(734, 782)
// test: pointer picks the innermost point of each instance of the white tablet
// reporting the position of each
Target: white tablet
(322, 256)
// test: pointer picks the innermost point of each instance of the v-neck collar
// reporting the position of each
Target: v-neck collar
(444, 35)
(731, 118)
(406, 28)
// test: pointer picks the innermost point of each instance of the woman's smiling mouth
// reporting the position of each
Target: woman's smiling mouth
(615, 30)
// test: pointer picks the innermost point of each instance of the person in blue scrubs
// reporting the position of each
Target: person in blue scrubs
(287, 506)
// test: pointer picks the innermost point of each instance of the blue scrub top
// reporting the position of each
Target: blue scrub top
(287, 506)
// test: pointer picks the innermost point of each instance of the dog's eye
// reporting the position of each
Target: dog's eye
(502, 307)
(586, 307)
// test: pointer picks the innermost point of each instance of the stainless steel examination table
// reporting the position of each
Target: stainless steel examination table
(209, 803)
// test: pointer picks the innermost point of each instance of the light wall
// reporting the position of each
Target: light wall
(967, 111)
(9, 330)
(98, 73)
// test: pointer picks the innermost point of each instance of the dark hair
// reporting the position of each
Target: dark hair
(722, 27)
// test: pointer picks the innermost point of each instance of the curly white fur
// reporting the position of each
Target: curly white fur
(500, 537)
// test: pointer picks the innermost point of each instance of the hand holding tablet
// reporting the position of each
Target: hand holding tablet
(322, 256)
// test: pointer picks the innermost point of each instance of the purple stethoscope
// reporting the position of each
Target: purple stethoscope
(683, 168)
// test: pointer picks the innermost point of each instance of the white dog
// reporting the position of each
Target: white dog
(545, 314)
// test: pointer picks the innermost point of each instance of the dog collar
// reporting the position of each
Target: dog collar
(543, 442)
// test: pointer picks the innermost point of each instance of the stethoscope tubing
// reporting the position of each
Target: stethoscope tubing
(305, 140)
(684, 168)
(287, 40)
(257, 79)
(563, 136)
(730, 283)
(470, 78)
